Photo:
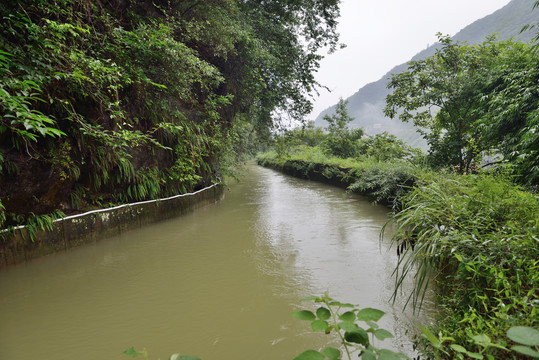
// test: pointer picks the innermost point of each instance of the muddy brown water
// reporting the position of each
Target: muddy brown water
(219, 283)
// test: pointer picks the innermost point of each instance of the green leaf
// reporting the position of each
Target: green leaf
(382, 334)
(389, 355)
(524, 335)
(475, 355)
(310, 355)
(370, 314)
(304, 315)
(332, 353)
(481, 339)
(348, 305)
(323, 313)
(368, 355)
(309, 298)
(430, 337)
(186, 357)
(318, 325)
(525, 351)
(132, 352)
(458, 348)
(348, 316)
(359, 337)
(372, 324)
(348, 326)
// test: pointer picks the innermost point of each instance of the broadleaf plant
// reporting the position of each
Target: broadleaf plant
(345, 321)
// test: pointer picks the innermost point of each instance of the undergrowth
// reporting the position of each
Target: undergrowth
(381, 182)
(473, 238)
(477, 238)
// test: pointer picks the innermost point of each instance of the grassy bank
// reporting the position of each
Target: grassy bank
(476, 237)
(382, 182)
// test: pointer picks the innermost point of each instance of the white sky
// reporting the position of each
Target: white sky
(381, 34)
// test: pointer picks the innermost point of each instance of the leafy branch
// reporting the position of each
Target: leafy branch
(344, 320)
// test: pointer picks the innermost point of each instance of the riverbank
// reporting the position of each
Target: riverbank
(382, 183)
(24, 243)
(219, 283)
(474, 236)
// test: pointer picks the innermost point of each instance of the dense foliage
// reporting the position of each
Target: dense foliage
(116, 101)
(383, 182)
(474, 237)
(341, 141)
(477, 237)
(472, 100)
(368, 103)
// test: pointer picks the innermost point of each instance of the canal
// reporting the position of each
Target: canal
(219, 283)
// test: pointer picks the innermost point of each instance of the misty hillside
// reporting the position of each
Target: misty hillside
(368, 103)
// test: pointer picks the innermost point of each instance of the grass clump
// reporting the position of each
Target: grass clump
(477, 238)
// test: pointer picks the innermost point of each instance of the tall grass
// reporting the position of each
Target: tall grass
(382, 182)
(477, 238)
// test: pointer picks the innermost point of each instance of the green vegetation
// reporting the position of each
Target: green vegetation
(526, 341)
(345, 320)
(473, 237)
(472, 234)
(110, 102)
(340, 140)
(367, 104)
(381, 182)
(472, 101)
(476, 237)
(382, 167)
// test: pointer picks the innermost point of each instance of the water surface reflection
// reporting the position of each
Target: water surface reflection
(219, 283)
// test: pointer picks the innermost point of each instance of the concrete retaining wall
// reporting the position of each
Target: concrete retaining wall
(95, 225)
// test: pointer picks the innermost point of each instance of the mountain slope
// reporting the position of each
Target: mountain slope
(367, 104)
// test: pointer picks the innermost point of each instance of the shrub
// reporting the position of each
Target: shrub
(476, 237)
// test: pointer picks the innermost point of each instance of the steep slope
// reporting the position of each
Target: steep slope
(120, 101)
(367, 104)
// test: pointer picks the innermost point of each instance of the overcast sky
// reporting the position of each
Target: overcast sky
(381, 34)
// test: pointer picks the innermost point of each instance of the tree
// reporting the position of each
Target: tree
(535, 46)
(468, 100)
(117, 101)
(341, 140)
(386, 147)
(510, 117)
(447, 96)
(308, 134)
(438, 95)
(283, 53)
